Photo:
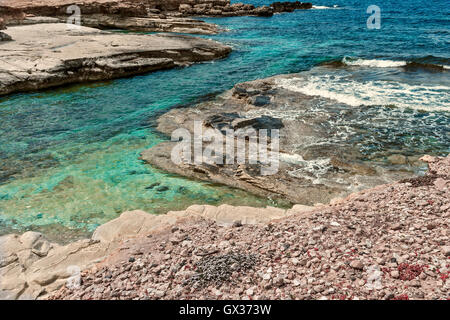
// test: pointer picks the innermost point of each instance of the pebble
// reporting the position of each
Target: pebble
(380, 232)
(356, 264)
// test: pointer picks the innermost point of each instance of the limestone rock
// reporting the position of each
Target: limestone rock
(133, 9)
(130, 223)
(84, 54)
(31, 267)
(134, 223)
(302, 172)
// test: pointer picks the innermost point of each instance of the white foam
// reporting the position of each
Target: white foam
(374, 63)
(355, 93)
(325, 7)
(312, 170)
(291, 158)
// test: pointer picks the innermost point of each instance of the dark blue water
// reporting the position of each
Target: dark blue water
(69, 156)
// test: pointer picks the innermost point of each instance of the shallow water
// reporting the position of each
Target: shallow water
(69, 157)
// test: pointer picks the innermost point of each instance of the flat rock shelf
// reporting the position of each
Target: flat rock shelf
(49, 55)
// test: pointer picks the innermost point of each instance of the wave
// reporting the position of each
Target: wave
(373, 63)
(407, 65)
(325, 7)
(345, 89)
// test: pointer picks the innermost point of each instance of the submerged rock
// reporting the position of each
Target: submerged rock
(320, 154)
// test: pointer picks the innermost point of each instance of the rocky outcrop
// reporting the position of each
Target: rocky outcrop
(226, 9)
(153, 23)
(148, 9)
(54, 54)
(10, 14)
(137, 15)
(104, 14)
(52, 8)
(290, 6)
(390, 242)
(31, 267)
(311, 168)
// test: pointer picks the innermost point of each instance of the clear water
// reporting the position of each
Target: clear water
(69, 157)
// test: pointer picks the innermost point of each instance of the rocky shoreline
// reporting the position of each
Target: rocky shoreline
(389, 242)
(225, 9)
(151, 16)
(53, 55)
(358, 230)
(311, 168)
(39, 33)
(149, 23)
(32, 267)
(164, 9)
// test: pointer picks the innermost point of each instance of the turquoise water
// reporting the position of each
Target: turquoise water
(69, 157)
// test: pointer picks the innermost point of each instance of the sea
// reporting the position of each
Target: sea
(69, 157)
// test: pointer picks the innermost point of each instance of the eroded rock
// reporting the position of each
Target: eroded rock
(55, 54)
(314, 163)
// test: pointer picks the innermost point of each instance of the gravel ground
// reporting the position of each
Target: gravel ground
(390, 242)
